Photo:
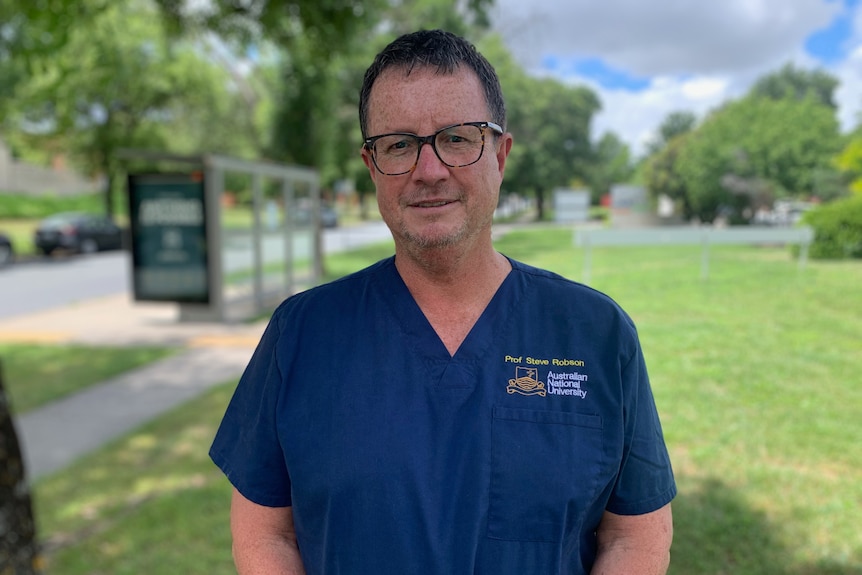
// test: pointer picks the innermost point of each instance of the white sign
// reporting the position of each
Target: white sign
(571, 206)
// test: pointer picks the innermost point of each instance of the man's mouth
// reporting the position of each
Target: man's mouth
(432, 203)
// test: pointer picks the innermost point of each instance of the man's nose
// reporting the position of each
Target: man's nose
(429, 167)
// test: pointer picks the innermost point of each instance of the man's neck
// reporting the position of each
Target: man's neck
(453, 286)
(454, 267)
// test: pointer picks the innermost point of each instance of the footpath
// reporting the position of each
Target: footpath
(209, 354)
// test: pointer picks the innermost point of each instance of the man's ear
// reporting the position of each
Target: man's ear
(504, 146)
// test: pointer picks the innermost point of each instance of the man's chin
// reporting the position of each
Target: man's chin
(434, 237)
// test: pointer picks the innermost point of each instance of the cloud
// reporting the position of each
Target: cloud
(849, 92)
(635, 116)
(647, 59)
(849, 72)
(830, 44)
(661, 37)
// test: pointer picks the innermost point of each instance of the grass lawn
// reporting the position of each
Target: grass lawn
(21, 233)
(37, 374)
(148, 503)
(756, 372)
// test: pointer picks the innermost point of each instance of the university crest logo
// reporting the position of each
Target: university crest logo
(526, 382)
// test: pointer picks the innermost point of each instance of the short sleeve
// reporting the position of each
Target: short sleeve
(645, 482)
(246, 446)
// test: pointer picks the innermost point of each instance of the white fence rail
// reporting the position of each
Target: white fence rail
(705, 237)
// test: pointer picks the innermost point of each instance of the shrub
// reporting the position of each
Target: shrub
(837, 229)
(14, 206)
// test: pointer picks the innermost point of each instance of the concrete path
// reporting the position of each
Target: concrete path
(209, 354)
(57, 434)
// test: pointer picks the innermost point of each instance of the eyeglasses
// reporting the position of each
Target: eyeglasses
(456, 146)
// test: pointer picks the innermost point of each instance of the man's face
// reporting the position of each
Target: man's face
(434, 205)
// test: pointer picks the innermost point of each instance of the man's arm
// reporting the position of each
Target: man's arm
(634, 543)
(264, 540)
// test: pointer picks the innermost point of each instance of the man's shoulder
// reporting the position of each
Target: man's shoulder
(566, 295)
(543, 279)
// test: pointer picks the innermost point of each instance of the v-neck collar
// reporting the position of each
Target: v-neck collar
(420, 333)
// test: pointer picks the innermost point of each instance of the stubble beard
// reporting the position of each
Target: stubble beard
(435, 238)
(428, 241)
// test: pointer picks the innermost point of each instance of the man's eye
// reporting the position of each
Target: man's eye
(398, 146)
(462, 136)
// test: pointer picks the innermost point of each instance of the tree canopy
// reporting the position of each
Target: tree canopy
(663, 177)
(796, 83)
(755, 149)
(849, 161)
(120, 84)
(780, 140)
(611, 164)
(673, 125)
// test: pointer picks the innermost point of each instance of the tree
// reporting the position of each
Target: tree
(12, 70)
(19, 546)
(794, 83)
(611, 165)
(461, 18)
(756, 148)
(557, 131)
(328, 27)
(32, 31)
(29, 34)
(118, 85)
(550, 122)
(849, 161)
(663, 178)
(303, 128)
(674, 124)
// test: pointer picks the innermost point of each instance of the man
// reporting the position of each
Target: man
(448, 410)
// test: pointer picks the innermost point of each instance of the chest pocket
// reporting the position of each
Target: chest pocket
(546, 467)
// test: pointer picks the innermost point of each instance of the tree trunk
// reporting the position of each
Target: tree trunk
(540, 204)
(18, 545)
(109, 195)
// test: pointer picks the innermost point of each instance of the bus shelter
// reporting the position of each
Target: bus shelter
(226, 239)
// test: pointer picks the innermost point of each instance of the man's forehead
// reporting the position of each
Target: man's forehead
(393, 79)
(406, 71)
(397, 99)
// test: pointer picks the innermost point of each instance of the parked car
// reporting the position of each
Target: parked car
(77, 232)
(328, 217)
(7, 252)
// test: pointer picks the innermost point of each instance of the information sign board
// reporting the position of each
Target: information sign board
(169, 237)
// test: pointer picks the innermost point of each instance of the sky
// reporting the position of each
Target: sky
(648, 58)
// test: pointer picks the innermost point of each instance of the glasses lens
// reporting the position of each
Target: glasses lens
(460, 145)
(396, 154)
(457, 146)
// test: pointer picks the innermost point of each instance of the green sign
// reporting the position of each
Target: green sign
(169, 237)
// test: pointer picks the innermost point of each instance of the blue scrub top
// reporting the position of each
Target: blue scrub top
(399, 458)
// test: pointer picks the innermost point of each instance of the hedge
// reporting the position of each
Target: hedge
(837, 229)
(14, 206)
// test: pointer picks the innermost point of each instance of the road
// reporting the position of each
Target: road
(44, 283)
